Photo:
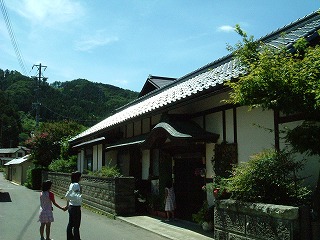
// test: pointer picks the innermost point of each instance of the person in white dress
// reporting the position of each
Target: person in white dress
(170, 201)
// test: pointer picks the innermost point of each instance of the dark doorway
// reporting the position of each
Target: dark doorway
(188, 187)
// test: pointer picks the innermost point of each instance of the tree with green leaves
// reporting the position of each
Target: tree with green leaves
(47, 143)
(10, 125)
(284, 80)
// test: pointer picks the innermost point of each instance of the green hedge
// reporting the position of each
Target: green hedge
(34, 178)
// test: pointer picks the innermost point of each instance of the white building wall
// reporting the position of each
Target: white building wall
(214, 124)
(312, 166)
(155, 120)
(145, 164)
(137, 128)
(80, 160)
(230, 126)
(95, 158)
(145, 125)
(253, 136)
(100, 150)
(129, 130)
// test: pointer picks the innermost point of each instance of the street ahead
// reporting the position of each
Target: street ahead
(19, 208)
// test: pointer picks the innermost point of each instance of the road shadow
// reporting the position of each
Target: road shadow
(5, 197)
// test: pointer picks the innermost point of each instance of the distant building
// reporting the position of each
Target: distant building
(7, 154)
(16, 169)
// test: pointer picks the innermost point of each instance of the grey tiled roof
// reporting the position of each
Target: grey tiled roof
(207, 77)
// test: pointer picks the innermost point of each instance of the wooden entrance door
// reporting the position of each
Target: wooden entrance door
(188, 187)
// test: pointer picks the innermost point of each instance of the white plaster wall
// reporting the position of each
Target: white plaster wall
(209, 156)
(130, 130)
(209, 167)
(100, 146)
(252, 138)
(312, 166)
(214, 124)
(80, 160)
(137, 128)
(145, 125)
(203, 104)
(95, 158)
(155, 119)
(145, 164)
(230, 126)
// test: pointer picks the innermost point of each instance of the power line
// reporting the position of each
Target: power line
(12, 37)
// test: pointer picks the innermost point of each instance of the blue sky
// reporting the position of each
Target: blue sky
(121, 42)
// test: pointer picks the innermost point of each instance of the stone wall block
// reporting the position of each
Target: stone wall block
(231, 221)
(110, 195)
(220, 235)
(268, 228)
(235, 220)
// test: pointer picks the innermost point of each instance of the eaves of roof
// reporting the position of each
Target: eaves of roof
(9, 150)
(207, 77)
(17, 161)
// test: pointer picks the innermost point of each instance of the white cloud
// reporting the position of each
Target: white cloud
(48, 12)
(120, 83)
(98, 39)
(226, 28)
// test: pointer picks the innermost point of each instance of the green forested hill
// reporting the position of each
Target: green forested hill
(80, 100)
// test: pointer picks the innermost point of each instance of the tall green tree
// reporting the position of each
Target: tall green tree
(284, 81)
(45, 144)
(10, 125)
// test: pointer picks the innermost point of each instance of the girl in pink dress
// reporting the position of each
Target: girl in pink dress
(46, 215)
(170, 201)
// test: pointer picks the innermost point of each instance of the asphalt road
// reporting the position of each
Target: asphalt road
(19, 209)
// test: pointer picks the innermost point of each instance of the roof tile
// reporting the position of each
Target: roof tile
(204, 78)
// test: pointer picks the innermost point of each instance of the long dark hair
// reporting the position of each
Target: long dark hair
(75, 177)
(169, 184)
(46, 185)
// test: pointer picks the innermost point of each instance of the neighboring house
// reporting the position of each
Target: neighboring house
(153, 83)
(176, 130)
(16, 169)
(7, 154)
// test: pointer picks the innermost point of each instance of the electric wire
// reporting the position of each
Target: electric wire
(12, 37)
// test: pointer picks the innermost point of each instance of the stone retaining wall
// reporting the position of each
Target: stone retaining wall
(110, 195)
(234, 220)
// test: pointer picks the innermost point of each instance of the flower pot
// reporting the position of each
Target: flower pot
(207, 226)
(216, 193)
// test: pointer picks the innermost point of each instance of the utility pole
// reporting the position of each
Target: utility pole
(37, 90)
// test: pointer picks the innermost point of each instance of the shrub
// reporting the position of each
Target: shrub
(65, 166)
(205, 214)
(34, 178)
(269, 177)
(107, 171)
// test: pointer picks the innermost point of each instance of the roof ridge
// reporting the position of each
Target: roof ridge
(289, 25)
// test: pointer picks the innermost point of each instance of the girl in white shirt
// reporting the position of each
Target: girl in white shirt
(74, 208)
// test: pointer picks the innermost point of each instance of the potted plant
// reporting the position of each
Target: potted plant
(218, 188)
(204, 217)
